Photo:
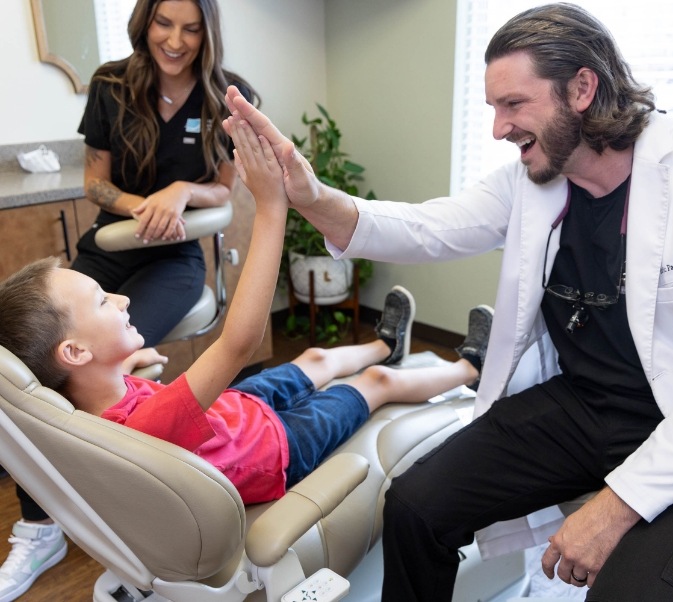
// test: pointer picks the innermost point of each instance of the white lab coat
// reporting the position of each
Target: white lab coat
(507, 209)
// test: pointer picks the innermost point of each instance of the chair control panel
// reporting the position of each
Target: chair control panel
(323, 586)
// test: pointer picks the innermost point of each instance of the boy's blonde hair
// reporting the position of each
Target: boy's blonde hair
(31, 323)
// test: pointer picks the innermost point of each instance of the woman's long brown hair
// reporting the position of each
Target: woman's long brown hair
(135, 88)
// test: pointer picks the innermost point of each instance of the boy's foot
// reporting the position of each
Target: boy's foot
(475, 344)
(35, 548)
(394, 327)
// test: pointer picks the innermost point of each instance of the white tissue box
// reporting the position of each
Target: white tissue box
(40, 160)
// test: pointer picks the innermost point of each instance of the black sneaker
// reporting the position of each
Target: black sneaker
(394, 327)
(476, 342)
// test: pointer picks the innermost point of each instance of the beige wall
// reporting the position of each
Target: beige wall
(384, 69)
(37, 101)
(390, 85)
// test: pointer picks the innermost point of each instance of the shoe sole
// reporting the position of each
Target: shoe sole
(412, 315)
(487, 308)
(26, 585)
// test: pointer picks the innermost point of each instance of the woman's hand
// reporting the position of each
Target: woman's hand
(160, 214)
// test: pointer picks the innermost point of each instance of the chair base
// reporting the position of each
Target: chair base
(109, 588)
(500, 579)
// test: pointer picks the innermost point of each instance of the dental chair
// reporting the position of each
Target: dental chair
(166, 525)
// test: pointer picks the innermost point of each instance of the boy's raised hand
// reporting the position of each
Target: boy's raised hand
(256, 164)
(301, 184)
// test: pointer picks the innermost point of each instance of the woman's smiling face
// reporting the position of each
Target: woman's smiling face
(175, 36)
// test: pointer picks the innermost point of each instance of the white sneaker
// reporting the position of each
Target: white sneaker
(35, 548)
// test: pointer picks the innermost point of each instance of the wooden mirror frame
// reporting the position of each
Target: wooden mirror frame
(46, 56)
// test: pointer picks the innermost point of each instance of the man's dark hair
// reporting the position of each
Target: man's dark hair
(561, 39)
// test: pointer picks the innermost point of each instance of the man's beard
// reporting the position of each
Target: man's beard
(559, 139)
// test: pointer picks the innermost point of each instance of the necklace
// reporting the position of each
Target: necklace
(169, 101)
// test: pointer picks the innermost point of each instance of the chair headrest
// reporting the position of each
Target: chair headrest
(18, 374)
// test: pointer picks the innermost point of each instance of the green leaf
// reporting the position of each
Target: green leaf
(322, 160)
(333, 167)
(323, 111)
(353, 167)
(297, 142)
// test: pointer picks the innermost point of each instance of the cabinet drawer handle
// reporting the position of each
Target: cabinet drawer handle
(64, 225)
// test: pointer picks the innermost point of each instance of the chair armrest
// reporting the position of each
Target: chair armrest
(303, 506)
(151, 372)
(120, 236)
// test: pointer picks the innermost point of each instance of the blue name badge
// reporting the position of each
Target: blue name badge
(193, 125)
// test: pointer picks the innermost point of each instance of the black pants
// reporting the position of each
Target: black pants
(535, 449)
(29, 508)
(641, 566)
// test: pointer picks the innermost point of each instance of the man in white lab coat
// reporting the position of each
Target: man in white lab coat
(586, 221)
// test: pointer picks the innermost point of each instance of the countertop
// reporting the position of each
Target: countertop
(22, 189)
(19, 188)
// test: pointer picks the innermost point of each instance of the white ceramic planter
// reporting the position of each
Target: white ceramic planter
(332, 278)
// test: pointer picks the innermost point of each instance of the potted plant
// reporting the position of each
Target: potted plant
(304, 248)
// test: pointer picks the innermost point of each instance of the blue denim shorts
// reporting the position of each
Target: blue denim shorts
(316, 422)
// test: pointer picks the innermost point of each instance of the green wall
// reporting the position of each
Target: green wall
(390, 70)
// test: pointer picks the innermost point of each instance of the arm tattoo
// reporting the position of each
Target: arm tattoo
(103, 193)
(91, 156)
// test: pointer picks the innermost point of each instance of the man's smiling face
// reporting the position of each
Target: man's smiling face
(530, 114)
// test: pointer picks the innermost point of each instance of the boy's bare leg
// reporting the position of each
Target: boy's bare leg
(380, 384)
(323, 365)
(394, 334)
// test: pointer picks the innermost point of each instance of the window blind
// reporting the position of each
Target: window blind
(112, 17)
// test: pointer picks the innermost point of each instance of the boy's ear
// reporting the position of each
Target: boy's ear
(73, 354)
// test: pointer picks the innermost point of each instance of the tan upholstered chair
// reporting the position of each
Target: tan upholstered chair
(166, 523)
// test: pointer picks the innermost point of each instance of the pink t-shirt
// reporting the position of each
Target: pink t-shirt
(239, 434)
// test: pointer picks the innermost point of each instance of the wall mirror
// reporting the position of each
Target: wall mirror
(79, 35)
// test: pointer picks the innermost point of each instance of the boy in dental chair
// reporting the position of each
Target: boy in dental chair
(277, 426)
